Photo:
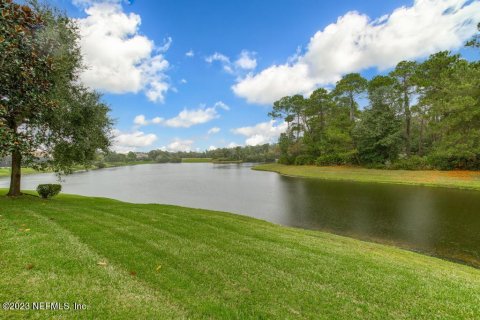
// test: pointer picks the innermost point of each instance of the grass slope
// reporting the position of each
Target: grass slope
(450, 179)
(131, 261)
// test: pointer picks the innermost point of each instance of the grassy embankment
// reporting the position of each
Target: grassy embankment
(5, 172)
(196, 160)
(451, 179)
(131, 261)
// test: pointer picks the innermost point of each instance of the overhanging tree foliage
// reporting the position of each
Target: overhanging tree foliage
(47, 119)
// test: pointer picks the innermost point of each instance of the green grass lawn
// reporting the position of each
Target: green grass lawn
(196, 160)
(5, 172)
(132, 261)
(451, 179)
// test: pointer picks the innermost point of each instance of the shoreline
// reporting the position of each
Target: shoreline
(152, 248)
(463, 180)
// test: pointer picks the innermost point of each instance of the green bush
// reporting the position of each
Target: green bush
(336, 159)
(412, 163)
(48, 190)
(304, 159)
(284, 159)
(100, 165)
(448, 161)
(175, 160)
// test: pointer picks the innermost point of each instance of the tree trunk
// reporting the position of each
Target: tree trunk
(352, 108)
(420, 139)
(16, 175)
(408, 121)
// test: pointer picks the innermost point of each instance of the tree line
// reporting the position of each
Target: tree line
(259, 153)
(419, 116)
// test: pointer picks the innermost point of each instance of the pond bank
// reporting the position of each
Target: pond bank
(431, 178)
(151, 261)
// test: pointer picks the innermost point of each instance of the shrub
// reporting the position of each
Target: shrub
(48, 190)
(284, 159)
(100, 165)
(304, 159)
(336, 158)
(412, 163)
(446, 161)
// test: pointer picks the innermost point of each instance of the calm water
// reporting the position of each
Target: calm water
(437, 221)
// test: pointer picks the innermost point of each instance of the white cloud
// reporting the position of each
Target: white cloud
(183, 81)
(189, 117)
(186, 118)
(246, 60)
(179, 145)
(217, 57)
(140, 120)
(355, 43)
(211, 148)
(214, 130)
(232, 145)
(157, 120)
(223, 59)
(166, 45)
(131, 141)
(264, 132)
(221, 105)
(190, 53)
(118, 58)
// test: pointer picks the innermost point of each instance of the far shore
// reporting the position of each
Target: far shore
(5, 171)
(432, 178)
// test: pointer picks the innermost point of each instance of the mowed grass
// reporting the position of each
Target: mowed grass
(433, 178)
(196, 160)
(133, 261)
(5, 172)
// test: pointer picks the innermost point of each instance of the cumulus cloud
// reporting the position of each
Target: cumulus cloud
(179, 145)
(183, 81)
(186, 118)
(214, 130)
(264, 132)
(118, 58)
(140, 120)
(211, 148)
(131, 141)
(355, 42)
(189, 117)
(246, 60)
(190, 53)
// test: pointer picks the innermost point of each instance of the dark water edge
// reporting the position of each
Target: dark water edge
(439, 222)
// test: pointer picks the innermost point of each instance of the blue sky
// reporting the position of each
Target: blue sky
(193, 75)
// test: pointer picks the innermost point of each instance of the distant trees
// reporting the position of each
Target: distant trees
(44, 112)
(420, 115)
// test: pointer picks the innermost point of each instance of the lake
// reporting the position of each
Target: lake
(436, 221)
